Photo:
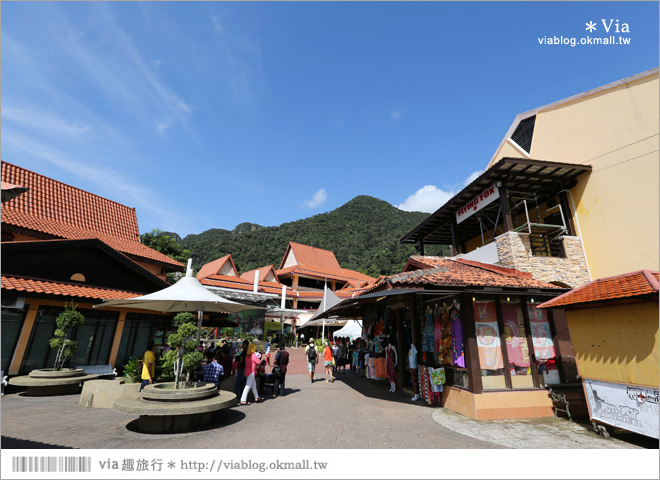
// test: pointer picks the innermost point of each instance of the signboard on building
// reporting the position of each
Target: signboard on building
(623, 406)
(482, 200)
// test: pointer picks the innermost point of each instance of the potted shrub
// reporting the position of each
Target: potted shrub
(66, 347)
(183, 354)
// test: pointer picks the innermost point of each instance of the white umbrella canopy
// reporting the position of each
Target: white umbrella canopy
(186, 295)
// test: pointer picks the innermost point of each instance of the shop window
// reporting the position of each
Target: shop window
(12, 323)
(491, 361)
(38, 353)
(139, 329)
(94, 339)
(544, 347)
(517, 348)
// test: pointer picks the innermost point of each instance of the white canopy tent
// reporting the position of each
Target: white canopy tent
(352, 330)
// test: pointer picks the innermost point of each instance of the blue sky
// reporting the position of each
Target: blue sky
(208, 114)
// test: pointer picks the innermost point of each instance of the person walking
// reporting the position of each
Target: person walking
(268, 352)
(281, 362)
(240, 369)
(225, 359)
(148, 366)
(342, 355)
(252, 362)
(327, 363)
(212, 371)
(312, 359)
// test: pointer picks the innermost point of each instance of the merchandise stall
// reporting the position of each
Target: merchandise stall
(480, 347)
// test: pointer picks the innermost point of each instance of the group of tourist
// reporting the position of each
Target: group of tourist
(250, 363)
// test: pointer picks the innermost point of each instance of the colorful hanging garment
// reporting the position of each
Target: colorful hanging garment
(544, 347)
(457, 346)
(488, 335)
(514, 332)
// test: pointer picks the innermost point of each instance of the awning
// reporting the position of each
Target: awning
(542, 179)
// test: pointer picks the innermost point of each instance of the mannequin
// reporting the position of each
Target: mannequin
(412, 365)
(391, 360)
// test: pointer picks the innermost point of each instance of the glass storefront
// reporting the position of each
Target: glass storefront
(12, 323)
(139, 329)
(529, 359)
(94, 339)
(491, 360)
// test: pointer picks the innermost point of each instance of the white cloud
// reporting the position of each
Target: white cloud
(429, 198)
(396, 115)
(43, 121)
(472, 177)
(317, 199)
(162, 126)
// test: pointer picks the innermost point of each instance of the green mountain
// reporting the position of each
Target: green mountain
(364, 235)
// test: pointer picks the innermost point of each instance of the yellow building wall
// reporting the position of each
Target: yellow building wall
(615, 131)
(617, 344)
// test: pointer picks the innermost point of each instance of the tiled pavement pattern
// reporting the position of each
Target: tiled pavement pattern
(351, 413)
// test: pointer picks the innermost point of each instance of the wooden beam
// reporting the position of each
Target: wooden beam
(506, 211)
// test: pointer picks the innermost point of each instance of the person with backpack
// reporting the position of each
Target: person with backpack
(312, 359)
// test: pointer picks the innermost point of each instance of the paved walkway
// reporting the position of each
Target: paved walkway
(351, 413)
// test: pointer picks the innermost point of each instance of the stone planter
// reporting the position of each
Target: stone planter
(164, 409)
(49, 381)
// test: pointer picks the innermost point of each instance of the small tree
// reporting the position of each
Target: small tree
(66, 347)
(183, 353)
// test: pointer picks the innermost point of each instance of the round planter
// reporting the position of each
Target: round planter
(56, 374)
(165, 392)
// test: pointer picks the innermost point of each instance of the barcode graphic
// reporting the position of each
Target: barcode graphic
(51, 464)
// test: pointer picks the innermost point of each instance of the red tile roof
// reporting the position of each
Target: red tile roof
(238, 283)
(627, 285)
(341, 274)
(62, 211)
(31, 285)
(449, 272)
(212, 268)
(312, 256)
(263, 273)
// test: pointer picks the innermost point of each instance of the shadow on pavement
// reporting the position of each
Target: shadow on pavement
(10, 442)
(375, 389)
(219, 419)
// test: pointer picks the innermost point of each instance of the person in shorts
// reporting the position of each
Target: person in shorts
(312, 359)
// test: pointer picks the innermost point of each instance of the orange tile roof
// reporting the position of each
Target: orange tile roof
(31, 285)
(59, 210)
(341, 274)
(425, 262)
(627, 285)
(263, 272)
(448, 272)
(312, 256)
(212, 268)
(237, 283)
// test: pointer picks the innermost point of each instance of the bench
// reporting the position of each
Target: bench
(3, 377)
(101, 370)
(559, 398)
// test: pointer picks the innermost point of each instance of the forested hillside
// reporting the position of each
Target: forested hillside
(364, 234)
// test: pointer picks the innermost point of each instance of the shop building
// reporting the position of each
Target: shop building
(568, 182)
(484, 349)
(64, 245)
(614, 325)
